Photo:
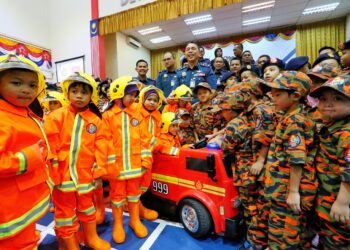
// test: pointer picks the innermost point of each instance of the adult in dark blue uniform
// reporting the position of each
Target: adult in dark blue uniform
(142, 69)
(218, 53)
(202, 60)
(166, 78)
(195, 72)
(219, 69)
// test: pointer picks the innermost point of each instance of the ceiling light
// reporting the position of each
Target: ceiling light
(203, 31)
(259, 6)
(160, 39)
(150, 30)
(257, 20)
(198, 19)
(321, 8)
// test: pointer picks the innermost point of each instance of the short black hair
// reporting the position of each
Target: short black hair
(172, 54)
(236, 59)
(195, 44)
(84, 85)
(141, 60)
(327, 47)
(246, 51)
(267, 56)
(239, 45)
(219, 57)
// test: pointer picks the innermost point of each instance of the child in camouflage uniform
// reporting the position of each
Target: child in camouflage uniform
(204, 114)
(333, 164)
(238, 143)
(186, 132)
(290, 182)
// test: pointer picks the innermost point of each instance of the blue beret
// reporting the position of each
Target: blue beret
(252, 68)
(297, 63)
(326, 56)
(226, 76)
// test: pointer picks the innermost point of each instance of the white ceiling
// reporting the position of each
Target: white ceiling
(228, 21)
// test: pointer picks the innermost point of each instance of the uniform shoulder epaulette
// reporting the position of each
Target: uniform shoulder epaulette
(203, 64)
(162, 71)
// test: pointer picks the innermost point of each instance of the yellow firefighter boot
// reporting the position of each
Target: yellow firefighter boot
(135, 223)
(71, 243)
(146, 213)
(91, 237)
(99, 205)
(118, 228)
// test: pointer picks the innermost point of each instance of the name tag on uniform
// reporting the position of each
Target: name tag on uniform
(192, 83)
(200, 74)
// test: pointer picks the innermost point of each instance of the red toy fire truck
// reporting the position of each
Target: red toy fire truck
(198, 188)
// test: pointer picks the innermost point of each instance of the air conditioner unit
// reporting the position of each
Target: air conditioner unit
(133, 42)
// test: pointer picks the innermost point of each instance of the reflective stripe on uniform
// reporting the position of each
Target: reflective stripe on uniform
(130, 174)
(61, 222)
(151, 126)
(174, 151)
(111, 159)
(23, 163)
(146, 153)
(135, 198)
(118, 203)
(126, 141)
(16, 225)
(75, 147)
(88, 211)
(153, 141)
(69, 186)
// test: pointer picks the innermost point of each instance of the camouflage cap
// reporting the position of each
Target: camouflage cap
(233, 100)
(340, 83)
(181, 112)
(202, 85)
(324, 71)
(252, 86)
(291, 80)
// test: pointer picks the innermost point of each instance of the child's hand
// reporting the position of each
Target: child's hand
(293, 201)
(256, 168)
(340, 212)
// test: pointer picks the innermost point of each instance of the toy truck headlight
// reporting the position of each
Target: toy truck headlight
(236, 202)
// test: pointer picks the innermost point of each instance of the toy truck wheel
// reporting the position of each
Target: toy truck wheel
(195, 218)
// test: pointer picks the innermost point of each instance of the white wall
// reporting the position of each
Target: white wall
(70, 30)
(110, 42)
(109, 7)
(27, 21)
(127, 56)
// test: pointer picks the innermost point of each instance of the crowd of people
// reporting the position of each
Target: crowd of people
(285, 127)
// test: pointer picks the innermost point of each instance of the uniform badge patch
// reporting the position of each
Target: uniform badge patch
(91, 128)
(165, 75)
(201, 74)
(183, 74)
(294, 140)
(134, 122)
(347, 155)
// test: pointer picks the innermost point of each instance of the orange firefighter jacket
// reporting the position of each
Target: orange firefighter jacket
(131, 141)
(167, 144)
(24, 193)
(78, 142)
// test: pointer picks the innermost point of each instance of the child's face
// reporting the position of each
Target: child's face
(182, 103)
(79, 96)
(228, 114)
(334, 105)
(281, 99)
(345, 58)
(231, 80)
(185, 121)
(53, 105)
(271, 72)
(173, 129)
(129, 99)
(203, 95)
(19, 87)
(151, 103)
(248, 76)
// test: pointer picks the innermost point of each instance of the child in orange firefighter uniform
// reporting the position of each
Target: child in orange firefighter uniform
(151, 99)
(131, 141)
(76, 135)
(23, 189)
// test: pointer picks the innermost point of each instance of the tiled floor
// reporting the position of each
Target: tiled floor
(162, 235)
